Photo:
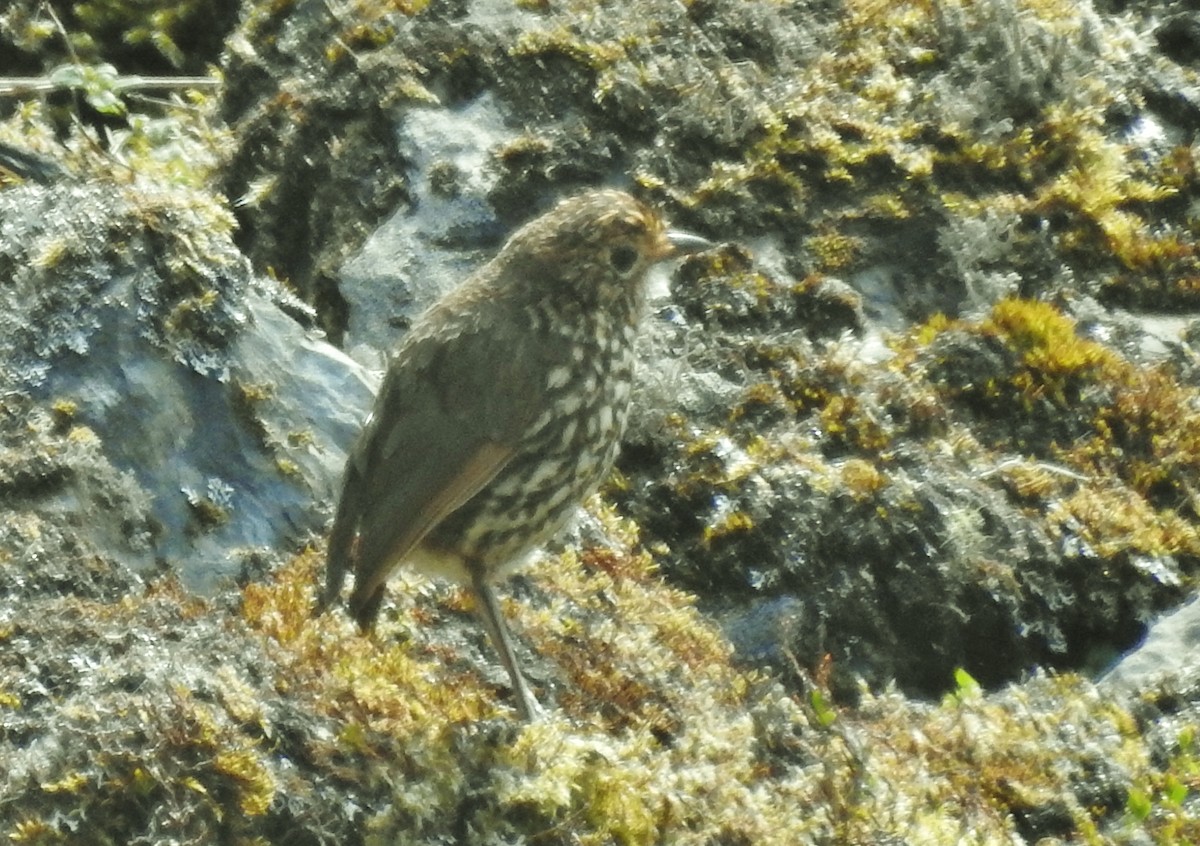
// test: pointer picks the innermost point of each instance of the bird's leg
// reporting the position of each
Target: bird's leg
(493, 621)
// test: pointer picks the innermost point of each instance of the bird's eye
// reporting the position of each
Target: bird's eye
(623, 259)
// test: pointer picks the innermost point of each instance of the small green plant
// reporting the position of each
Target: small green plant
(99, 84)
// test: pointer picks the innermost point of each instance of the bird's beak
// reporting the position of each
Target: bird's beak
(673, 243)
(683, 243)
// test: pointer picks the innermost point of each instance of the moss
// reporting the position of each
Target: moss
(289, 469)
(915, 473)
(207, 513)
(65, 412)
(213, 727)
(365, 676)
(34, 831)
(245, 768)
(726, 289)
(1159, 799)
(126, 754)
(1118, 523)
(247, 400)
(191, 315)
(730, 523)
(833, 250)
(1034, 358)
(565, 42)
(1033, 482)
(862, 479)
(300, 438)
(1150, 436)
(825, 394)
(140, 37)
(630, 760)
(758, 402)
(1141, 426)
(367, 36)
(1052, 354)
(847, 421)
(1135, 427)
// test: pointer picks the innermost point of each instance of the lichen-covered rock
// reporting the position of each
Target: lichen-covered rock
(71, 523)
(999, 493)
(164, 718)
(903, 421)
(131, 313)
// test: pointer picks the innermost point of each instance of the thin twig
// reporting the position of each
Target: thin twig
(22, 85)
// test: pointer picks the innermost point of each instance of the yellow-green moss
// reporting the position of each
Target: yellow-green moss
(595, 56)
(1126, 479)
(862, 478)
(834, 250)
(847, 420)
(1117, 521)
(1048, 345)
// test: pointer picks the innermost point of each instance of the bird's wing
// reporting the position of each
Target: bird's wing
(449, 417)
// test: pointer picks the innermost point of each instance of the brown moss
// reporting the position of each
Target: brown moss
(1117, 522)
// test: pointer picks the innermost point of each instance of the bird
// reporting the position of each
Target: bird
(500, 411)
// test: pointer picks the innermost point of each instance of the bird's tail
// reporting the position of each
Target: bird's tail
(339, 555)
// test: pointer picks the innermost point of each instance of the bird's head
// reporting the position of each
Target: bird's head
(598, 246)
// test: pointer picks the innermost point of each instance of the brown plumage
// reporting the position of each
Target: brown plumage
(501, 410)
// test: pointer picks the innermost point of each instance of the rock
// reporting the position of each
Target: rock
(229, 416)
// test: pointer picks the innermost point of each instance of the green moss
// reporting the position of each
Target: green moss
(1119, 522)
(300, 438)
(1149, 435)
(848, 421)
(1124, 470)
(644, 751)
(247, 400)
(564, 41)
(207, 514)
(834, 250)
(1046, 364)
(288, 469)
(65, 411)
(1049, 349)
(368, 35)
(273, 720)
(35, 832)
(863, 479)
(1158, 799)
(732, 523)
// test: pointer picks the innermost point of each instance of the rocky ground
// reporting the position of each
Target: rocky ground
(915, 457)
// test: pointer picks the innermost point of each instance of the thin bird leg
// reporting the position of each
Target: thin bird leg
(493, 621)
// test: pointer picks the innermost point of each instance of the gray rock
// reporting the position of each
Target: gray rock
(1171, 650)
(231, 417)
